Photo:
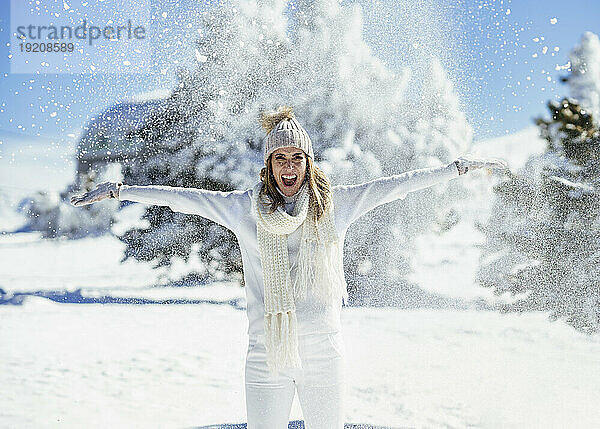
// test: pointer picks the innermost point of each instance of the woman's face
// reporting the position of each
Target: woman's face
(289, 167)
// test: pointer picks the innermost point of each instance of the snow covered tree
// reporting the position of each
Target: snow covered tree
(584, 80)
(207, 138)
(543, 238)
(354, 108)
(102, 145)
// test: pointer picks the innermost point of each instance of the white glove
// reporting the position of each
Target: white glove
(103, 190)
(470, 162)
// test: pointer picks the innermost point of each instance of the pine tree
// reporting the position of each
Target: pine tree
(584, 79)
(197, 141)
(543, 239)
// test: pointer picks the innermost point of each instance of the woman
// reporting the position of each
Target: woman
(291, 227)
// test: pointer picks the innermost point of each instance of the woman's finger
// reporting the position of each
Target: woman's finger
(81, 200)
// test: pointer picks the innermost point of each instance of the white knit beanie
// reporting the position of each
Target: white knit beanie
(287, 133)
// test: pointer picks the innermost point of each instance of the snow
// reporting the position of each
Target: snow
(514, 148)
(28, 165)
(156, 94)
(111, 366)
(37, 264)
(447, 263)
(583, 187)
(34, 164)
(105, 134)
(100, 366)
(584, 82)
(93, 264)
(462, 369)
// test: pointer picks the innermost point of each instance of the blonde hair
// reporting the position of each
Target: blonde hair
(319, 186)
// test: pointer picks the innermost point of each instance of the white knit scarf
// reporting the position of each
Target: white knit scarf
(319, 265)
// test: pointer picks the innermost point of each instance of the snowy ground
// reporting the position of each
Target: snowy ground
(181, 366)
(93, 366)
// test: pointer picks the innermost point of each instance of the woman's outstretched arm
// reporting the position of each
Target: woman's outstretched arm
(352, 201)
(224, 208)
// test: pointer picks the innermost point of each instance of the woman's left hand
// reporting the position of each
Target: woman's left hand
(470, 162)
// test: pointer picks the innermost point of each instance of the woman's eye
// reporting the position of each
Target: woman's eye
(295, 160)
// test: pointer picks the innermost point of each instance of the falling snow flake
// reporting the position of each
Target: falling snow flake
(201, 58)
(574, 186)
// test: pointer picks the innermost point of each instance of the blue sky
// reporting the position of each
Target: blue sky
(502, 57)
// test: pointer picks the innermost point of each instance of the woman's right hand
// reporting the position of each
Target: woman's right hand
(103, 190)
(469, 162)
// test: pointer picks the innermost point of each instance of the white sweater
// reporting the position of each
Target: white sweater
(233, 210)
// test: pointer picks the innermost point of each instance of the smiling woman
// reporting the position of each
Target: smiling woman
(291, 228)
(289, 168)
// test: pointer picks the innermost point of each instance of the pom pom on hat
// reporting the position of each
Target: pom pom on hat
(270, 120)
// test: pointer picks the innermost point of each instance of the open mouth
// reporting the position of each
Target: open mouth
(289, 179)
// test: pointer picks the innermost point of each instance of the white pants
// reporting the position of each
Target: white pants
(320, 383)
